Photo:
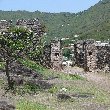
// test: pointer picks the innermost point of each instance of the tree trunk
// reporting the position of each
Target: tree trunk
(10, 84)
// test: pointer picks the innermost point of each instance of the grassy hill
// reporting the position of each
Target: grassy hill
(91, 23)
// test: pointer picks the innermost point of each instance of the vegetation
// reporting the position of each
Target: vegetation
(12, 47)
(2, 65)
(91, 23)
(67, 53)
(83, 92)
(17, 43)
(28, 105)
(47, 73)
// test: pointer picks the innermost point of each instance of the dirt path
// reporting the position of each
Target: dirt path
(102, 80)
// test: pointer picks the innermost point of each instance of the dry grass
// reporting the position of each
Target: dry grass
(98, 97)
(87, 95)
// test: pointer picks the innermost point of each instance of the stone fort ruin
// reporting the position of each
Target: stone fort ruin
(92, 55)
(88, 54)
(56, 54)
(4, 25)
(52, 54)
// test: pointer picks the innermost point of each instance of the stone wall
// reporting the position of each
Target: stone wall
(33, 25)
(56, 54)
(103, 58)
(4, 25)
(47, 56)
(52, 54)
(92, 56)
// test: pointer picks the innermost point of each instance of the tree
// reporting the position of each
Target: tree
(16, 43)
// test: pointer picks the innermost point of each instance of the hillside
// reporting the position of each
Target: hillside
(91, 23)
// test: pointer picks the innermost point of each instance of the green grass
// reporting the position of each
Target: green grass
(31, 64)
(2, 65)
(70, 77)
(27, 88)
(28, 105)
(83, 87)
(47, 72)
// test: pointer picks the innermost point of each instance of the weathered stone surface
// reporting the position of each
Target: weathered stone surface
(92, 56)
(56, 54)
(17, 80)
(63, 96)
(5, 106)
(19, 69)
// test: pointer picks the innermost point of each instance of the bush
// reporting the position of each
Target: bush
(53, 90)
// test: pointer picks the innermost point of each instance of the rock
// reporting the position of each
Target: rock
(63, 97)
(37, 75)
(17, 80)
(5, 106)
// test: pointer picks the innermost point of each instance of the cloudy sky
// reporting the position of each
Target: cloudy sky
(47, 5)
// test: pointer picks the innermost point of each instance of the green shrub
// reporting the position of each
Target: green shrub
(53, 90)
(2, 65)
(31, 64)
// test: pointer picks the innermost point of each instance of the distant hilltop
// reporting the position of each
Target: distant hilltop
(93, 23)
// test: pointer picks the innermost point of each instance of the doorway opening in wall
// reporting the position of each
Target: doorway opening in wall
(56, 54)
(90, 53)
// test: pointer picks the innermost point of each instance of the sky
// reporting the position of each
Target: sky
(72, 6)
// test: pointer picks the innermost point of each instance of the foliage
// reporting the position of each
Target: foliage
(31, 64)
(67, 53)
(91, 23)
(53, 89)
(2, 65)
(16, 43)
(49, 73)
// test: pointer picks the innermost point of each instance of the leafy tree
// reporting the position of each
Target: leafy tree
(14, 44)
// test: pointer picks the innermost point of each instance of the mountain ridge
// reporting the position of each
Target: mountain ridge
(92, 23)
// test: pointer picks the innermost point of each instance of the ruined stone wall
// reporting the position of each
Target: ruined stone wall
(103, 58)
(79, 53)
(52, 54)
(56, 54)
(4, 25)
(91, 56)
(47, 56)
(33, 25)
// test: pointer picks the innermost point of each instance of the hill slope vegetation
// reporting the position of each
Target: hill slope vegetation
(91, 23)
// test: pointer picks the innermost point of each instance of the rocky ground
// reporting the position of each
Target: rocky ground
(93, 93)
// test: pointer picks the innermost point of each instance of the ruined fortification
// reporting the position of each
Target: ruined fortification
(56, 54)
(52, 54)
(89, 54)
(92, 55)
(4, 25)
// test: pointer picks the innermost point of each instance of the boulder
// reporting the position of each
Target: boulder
(63, 97)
